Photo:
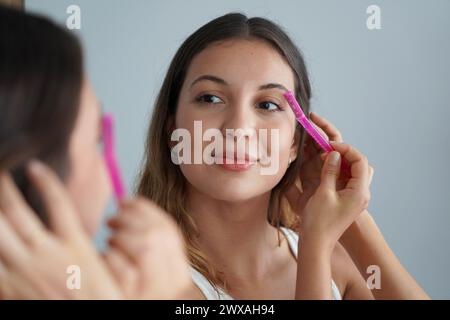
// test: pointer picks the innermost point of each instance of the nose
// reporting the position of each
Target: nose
(240, 122)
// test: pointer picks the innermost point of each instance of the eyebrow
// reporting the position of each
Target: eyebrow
(208, 77)
(220, 81)
(272, 86)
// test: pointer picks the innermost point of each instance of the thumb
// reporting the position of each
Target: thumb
(331, 170)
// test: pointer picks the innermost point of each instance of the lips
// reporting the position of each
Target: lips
(235, 162)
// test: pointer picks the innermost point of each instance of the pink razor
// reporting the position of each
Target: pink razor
(110, 157)
(312, 131)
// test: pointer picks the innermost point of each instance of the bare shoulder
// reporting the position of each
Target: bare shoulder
(346, 275)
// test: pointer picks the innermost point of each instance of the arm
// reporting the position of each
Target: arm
(315, 262)
(326, 216)
(313, 271)
(367, 246)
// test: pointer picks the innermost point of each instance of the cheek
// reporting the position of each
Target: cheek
(286, 144)
(281, 143)
(187, 115)
(183, 118)
(89, 186)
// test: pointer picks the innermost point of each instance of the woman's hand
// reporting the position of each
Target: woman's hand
(146, 260)
(312, 163)
(147, 253)
(326, 216)
(330, 210)
(35, 262)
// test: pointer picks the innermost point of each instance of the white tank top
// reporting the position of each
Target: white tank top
(212, 293)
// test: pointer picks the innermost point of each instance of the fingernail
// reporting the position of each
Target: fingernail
(334, 158)
(36, 167)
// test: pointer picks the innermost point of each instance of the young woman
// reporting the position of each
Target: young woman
(241, 227)
(50, 130)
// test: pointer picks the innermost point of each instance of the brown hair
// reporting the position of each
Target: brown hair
(41, 73)
(162, 181)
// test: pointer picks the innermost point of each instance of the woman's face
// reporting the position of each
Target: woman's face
(88, 182)
(238, 84)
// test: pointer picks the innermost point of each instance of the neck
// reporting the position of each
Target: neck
(235, 236)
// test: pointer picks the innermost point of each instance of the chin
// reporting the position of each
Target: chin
(231, 186)
(233, 191)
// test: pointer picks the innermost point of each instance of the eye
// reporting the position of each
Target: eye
(269, 106)
(209, 99)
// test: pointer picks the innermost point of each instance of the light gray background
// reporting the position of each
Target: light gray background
(387, 90)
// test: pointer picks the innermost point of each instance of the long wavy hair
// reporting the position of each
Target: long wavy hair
(163, 182)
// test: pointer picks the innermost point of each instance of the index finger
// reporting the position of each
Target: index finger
(358, 165)
(63, 219)
(327, 127)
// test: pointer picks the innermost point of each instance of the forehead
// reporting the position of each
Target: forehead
(242, 61)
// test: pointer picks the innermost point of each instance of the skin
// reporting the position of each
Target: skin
(146, 259)
(230, 208)
(88, 180)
